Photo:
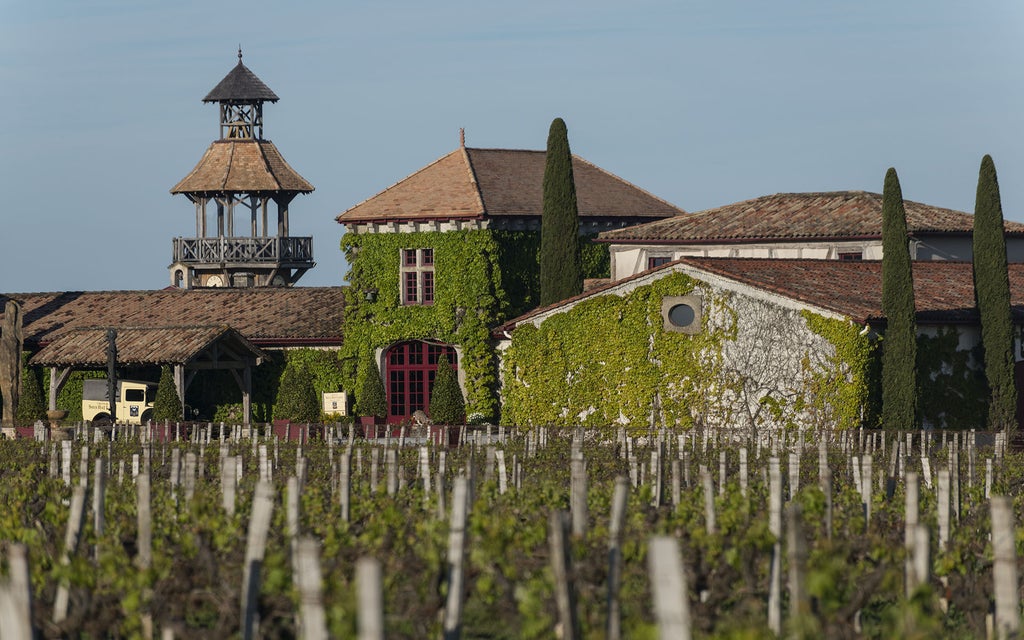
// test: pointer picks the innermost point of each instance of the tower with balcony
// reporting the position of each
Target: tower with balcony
(241, 188)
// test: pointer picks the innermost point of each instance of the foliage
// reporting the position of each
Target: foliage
(951, 383)
(468, 300)
(561, 275)
(296, 398)
(167, 405)
(560, 374)
(840, 389)
(371, 400)
(899, 367)
(992, 295)
(446, 403)
(32, 403)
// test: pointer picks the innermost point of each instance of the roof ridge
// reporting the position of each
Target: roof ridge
(473, 179)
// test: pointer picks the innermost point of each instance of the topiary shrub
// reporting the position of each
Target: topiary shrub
(167, 405)
(296, 398)
(447, 405)
(371, 399)
(32, 403)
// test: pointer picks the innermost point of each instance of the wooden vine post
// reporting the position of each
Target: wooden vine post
(668, 588)
(371, 599)
(561, 566)
(255, 548)
(1004, 570)
(456, 555)
(616, 525)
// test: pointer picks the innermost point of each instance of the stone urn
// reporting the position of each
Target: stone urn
(55, 416)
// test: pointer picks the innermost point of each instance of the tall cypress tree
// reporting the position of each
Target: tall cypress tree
(992, 297)
(899, 345)
(446, 403)
(561, 275)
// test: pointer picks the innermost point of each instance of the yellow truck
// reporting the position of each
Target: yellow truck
(134, 401)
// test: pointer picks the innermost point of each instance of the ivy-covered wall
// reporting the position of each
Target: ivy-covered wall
(469, 298)
(608, 360)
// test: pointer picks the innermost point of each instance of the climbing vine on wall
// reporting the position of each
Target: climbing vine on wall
(468, 299)
(608, 361)
(840, 387)
(952, 391)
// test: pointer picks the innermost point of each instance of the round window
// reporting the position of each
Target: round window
(681, 315)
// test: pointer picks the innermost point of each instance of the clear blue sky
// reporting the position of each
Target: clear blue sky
(701, 103)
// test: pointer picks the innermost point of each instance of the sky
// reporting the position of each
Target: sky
(700, 103)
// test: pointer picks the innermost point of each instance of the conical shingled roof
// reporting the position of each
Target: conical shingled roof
(242, 166)
(241, 85)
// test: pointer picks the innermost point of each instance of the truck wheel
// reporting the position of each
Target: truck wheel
(147, 415)
(101, 420)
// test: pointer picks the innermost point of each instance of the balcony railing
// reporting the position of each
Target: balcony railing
(228, 250)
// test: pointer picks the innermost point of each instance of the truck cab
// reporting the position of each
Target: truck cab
(134, 403)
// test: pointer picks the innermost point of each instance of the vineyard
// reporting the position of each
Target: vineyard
(513, 534)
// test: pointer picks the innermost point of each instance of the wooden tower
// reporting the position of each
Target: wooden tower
(241, 173)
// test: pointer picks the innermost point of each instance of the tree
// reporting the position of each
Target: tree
(992, 297)
(32, 404)
(561, 274)
(899, 346)
(296, 397)
(371, 399)
(447, 405)
(167, 404)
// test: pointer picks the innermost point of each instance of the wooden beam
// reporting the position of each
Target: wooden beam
(58, 377)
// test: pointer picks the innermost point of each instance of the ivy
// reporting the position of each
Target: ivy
(952, 390)
(561, 374)
(840, 391)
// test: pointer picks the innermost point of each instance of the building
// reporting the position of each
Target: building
(240, 178)
(744, 343)
(840, 225)
(444, 255)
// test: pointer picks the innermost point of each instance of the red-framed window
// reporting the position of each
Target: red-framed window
(657, 261)
(410, 371)
(417, 276)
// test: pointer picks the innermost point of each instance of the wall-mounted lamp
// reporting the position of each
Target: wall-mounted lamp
(371, 295)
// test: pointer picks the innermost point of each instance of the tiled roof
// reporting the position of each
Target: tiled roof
(150, 345)
(943, 291)
(243, 165)
(241, 85)
(472, 183)
(839, 214)
(268, 317)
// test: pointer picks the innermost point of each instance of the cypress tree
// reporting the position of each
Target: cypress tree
(899, 346)
(296, 397)
(31, 404)
(447, 405)
(561, 274)
(992, 297)
(371, 399)
(167, 404)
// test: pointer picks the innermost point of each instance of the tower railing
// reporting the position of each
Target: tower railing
(228, 250)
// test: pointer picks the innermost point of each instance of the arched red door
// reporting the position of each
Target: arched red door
(410, 370)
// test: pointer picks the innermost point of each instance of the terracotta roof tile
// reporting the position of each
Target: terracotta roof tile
(469, 183)
(249, 166)
(135, 345)
(840, 214)
(268, 317)
(943, 291)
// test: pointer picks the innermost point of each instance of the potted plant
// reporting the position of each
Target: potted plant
(371, 401)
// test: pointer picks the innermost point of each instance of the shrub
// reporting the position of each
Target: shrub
(32, 403)
(446, 403)
(167, 405)
(296, 398)
(371, 399)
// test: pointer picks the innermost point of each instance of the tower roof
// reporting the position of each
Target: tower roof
(475, 183)
(242, 166)
(241, 85)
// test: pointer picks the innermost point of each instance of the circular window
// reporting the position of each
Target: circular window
(681, 315)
